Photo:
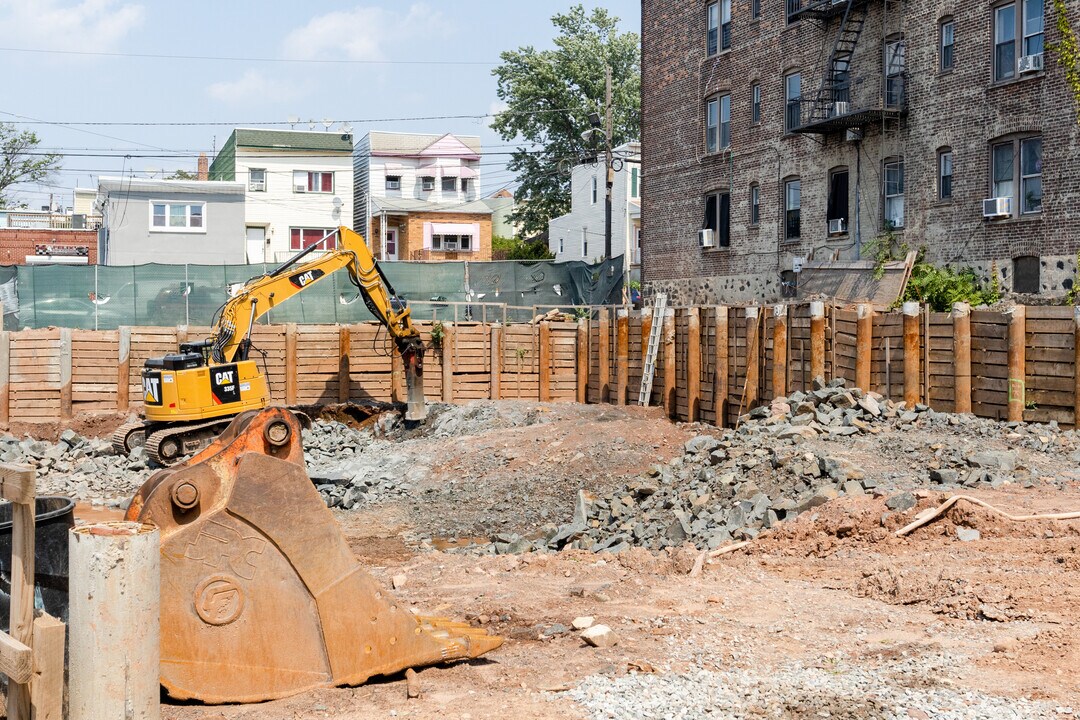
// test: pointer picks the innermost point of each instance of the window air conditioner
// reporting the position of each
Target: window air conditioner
(1030, 63)
(257, 186)
(840, 107)
(997, 207)
(299, 188)
(837, 226)
(706, 238)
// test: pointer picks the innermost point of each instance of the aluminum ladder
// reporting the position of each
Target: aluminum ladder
(647, 373)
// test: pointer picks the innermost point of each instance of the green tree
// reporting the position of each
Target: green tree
(19, 161)
(517, 249)
(183, 175)
(549, 96)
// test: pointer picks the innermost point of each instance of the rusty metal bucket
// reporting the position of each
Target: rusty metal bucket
(261, 597)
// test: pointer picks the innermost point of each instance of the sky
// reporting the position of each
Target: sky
(244, 63)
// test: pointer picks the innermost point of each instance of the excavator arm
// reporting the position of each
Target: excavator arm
(230, 339)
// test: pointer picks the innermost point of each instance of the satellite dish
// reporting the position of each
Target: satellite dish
(327, 122)
(151, 171)
(293, 120)
(311, 124)
(348, 128)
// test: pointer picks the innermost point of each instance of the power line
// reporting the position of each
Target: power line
(204, 123)
(233, 58)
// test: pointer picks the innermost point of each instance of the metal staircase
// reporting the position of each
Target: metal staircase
(833, 97)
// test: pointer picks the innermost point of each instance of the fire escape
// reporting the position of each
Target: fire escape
(843, 99)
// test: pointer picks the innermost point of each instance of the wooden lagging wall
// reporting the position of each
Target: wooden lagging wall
(49, 375)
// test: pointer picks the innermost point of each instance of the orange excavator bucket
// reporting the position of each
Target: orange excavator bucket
(261, 597)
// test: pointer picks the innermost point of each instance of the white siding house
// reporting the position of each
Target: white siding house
(299, 187)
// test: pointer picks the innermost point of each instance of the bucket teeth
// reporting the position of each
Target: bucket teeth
(261, 596)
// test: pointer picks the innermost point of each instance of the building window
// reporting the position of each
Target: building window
(393, 182)
(1033, 27)
(1026, 274)
(792, 209)
(257, 180)
(594, 191)
(561, 246)
(585, 243)
(755, 103)
(1005, 41)
(836, 211)
(177, 217)
(449, 184)
(712, 125)
(895, 63)
(1006, 176)
(303, 238)
(712, 13)
(894, 194)
(755, 204)
(725, 24)
(725, 122)
(755, 9)
(718, 217)
(427, 184)
(313, 182)
(464, 185)
(635, 189)
(945, 162)
(793, 104)
(948, 40)
(451, 243)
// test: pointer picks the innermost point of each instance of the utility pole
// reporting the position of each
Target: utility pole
(608, 129)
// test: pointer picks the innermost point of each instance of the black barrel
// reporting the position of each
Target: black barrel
(54, 516)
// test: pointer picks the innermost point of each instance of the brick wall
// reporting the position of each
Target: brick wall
(411, 236)
(16, 245)
(961, 109)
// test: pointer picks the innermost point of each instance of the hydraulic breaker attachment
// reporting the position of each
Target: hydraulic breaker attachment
(261, 597)
(413, 359)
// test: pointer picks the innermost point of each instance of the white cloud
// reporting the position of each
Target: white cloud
(91, 25)
(250, 87)
(367, 33)
(496, 107)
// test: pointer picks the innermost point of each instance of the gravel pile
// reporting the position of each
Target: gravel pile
(910, 688)
(787, 458)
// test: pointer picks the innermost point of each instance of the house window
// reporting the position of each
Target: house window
(895, 62)
(755, 103)
(594, 192)
(894, 194)
(1005, 41)
(1026, 274)
(177, 217)
(449, 184)
(1006, 176)
(755, 204)
(712, 13)
(634, 175)
(585, 243)
(792, 209)
(393, 182)
(712, 125)
(257, 180)
(1033, 27)
(303, 238)
(718, 217)
(313, 182)
(427, 183)
(725, 24)
(451, 242)
(948, 40)
(755, 9)
(464, 185)
(561, 246)
(945, 161)
(793, 106)
(836, 211)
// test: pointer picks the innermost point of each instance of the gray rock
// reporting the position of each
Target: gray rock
(1003, 460)
(900, 503)
(966, 534)
(943, 475)
(701, 444)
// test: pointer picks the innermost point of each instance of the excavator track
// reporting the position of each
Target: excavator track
(168, 444)
(129, 436)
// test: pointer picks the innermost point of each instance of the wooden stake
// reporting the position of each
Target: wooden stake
(544, 355)
(496, 361)
(864, 337)
(5, 376)
(1017, 371)
(668, 343)
(583, 361)
(693, 365)
(290, 364)
(962, 357)
(605, 355)
(753, 361)
(622, 355)
(926, 353)
(911, 354)
(447, 362)
(817, 343)
(21, 615)
(123, 370)
(1076, 366)
(65, 373)
(780, 351)
(720, 384)
(47, 684)
(344, 376)
(114, 621)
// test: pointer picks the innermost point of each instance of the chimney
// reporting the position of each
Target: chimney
(204, 167)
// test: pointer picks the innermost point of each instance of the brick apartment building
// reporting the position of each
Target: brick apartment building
(805, 128)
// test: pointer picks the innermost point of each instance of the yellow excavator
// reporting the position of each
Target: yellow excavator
(191, 396)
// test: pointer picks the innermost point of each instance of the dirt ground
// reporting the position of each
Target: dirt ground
(832, 588)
